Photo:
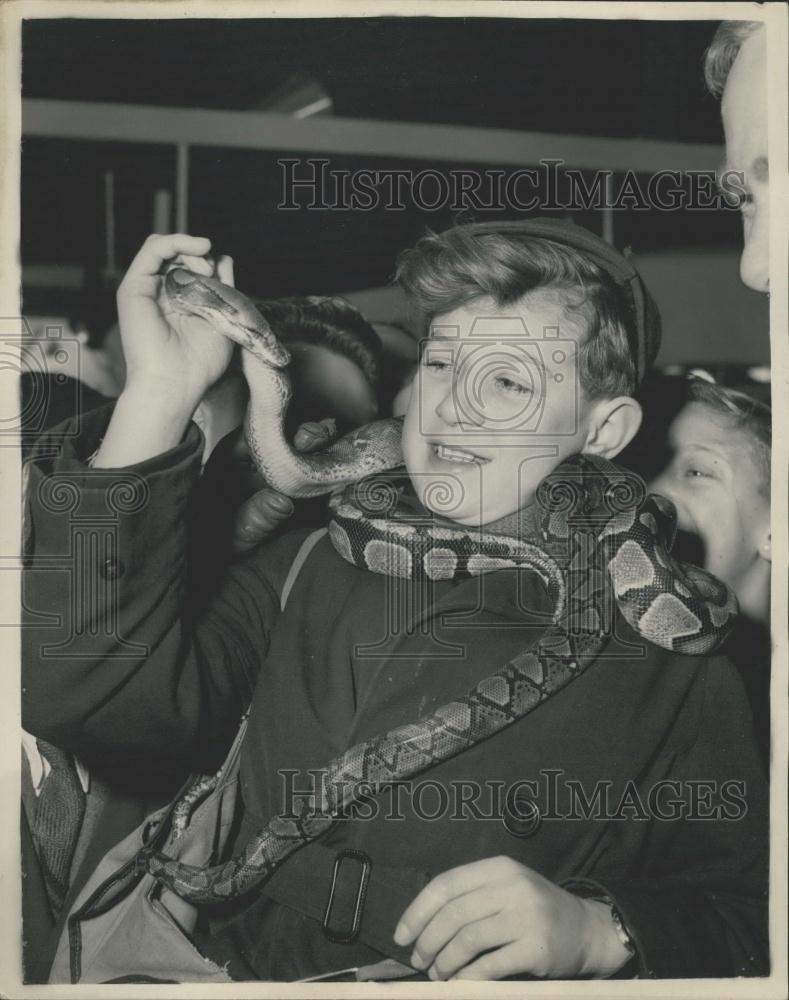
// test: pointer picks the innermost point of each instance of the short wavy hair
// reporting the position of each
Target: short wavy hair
(447, 270)
(745, 413)
(329, 322)
(723, 50)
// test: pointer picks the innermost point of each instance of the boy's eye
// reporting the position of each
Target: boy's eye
(510, 385)
(437, 364)
(697, 473)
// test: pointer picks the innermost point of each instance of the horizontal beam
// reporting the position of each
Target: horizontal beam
(53, 276)
(356, 137)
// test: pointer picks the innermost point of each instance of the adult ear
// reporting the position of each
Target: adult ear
(765, 549)
(613, 423)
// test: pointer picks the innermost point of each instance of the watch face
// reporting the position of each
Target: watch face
(624, 937)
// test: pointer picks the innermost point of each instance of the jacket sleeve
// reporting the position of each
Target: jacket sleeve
(120, 665)
(698, 907)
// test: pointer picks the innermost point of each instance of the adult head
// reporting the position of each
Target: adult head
(735, 70)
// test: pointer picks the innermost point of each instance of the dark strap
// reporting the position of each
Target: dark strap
(307, 546)
(304, 883)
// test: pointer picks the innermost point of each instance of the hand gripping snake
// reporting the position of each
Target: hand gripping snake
(598, 535)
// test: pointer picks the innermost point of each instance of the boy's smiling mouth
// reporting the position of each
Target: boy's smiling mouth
(448, 454)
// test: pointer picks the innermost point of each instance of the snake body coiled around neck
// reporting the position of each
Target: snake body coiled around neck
(598, 537)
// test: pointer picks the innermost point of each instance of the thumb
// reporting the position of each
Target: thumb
(224, 270)
(258, 517)
(315, 435)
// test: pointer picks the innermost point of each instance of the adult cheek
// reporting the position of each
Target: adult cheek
(726, 548)
(755, 260)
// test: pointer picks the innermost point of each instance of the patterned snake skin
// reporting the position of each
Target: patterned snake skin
(603, 544)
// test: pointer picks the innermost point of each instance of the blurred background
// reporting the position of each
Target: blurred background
(133, 126)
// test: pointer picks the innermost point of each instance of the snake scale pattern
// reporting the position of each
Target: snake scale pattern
(599, 535)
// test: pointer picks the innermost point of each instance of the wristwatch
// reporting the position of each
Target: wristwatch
(632, 966)
(630, 969)
(621, 930)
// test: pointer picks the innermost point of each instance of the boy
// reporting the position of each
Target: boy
(707, 448)
(717, 473)
(470, 890)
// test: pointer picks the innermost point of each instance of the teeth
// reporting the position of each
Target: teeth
(456, 455)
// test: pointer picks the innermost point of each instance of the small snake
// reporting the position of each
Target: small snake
(370, 449)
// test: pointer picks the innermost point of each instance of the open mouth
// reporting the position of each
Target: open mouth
(457, 455)
(689, 547)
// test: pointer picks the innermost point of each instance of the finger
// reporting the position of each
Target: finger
(315, 434)
(224, 270)
(506, 961)
(445, 887)
(200, 265)
(453, 920)
(258, 517)
(157, 249)
(471, 941)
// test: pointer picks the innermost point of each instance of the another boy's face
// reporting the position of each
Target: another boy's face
(716, 485)
(495, 406)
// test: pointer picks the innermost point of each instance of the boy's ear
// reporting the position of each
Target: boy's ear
(766, 547)
(613, 423)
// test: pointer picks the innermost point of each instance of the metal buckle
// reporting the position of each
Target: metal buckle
(347, 936)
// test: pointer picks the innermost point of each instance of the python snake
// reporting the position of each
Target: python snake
(363, 452)
(597, 535)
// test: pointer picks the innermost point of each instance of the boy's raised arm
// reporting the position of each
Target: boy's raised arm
(125, 661)
(120, 666)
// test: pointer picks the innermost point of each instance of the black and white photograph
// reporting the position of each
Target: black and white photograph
(394, 540)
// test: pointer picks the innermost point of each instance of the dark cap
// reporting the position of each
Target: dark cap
(644, 332)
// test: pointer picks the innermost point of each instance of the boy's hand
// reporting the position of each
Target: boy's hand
(497, 918)
(263, 512)
(184, 356)
(170, 361)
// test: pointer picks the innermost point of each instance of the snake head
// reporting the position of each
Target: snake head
(227, 310)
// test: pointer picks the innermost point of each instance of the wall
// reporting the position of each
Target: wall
(708, 315)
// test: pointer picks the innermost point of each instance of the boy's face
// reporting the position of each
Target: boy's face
(715, 482)
(495, 406)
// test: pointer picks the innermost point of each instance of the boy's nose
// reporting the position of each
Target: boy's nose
(447, 408)
(664, 486)
(459, 405)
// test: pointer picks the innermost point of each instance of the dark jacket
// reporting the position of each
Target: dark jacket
(114, 806)
(141, 666)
